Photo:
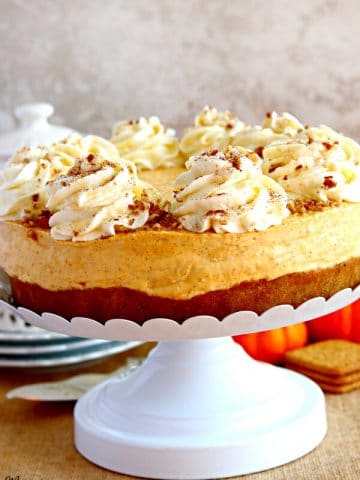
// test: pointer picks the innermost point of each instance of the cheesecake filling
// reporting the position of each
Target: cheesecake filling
(96, 197)
(24, 177)
(227, 192)
(211, 130)
(147, 143)
(181, 264)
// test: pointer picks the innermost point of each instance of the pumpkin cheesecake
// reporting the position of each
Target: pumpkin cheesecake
(225, 232)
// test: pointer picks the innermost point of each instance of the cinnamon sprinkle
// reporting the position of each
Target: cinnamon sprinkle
(329, 182)
(275, 166)
(161, 218)
(210, 153)
(41, 221)
(214, 212)
(304, 206)
(33, 235)
(138, 205)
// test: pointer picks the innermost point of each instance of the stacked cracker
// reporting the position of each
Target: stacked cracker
(333, 364)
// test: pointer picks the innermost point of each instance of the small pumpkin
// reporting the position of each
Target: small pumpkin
(344, 323)
(271, 346)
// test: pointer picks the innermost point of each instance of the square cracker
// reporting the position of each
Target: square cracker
(328, 379)
(330, 357)
(349, 387)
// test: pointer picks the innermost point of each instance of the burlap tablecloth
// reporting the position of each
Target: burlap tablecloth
(36, 439)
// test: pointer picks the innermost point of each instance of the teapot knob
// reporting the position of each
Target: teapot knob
(33, 112)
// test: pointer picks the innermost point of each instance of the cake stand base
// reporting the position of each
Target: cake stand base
(200, 409)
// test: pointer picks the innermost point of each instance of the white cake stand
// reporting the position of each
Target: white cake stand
(199, 407)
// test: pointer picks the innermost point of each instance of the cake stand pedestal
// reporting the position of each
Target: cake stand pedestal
(198, 407)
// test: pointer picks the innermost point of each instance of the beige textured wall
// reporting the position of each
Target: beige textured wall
(99, 61)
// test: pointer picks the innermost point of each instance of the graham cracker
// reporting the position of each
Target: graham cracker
(330, 357)
(328, 379)
(339, 388)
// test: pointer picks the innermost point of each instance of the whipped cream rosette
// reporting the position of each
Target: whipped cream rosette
(311, 163)
(285, 123)
(23, 181)
(227, 192)
(25, 175)
(256, 138)
(288, 125)
(350, 149)
(275, 129)
(319, 171)
(284, 128)
(95, 197)
(212, 129)
(147, 143)
(94, 145)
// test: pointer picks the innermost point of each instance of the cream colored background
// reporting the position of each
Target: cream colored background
(102, 60)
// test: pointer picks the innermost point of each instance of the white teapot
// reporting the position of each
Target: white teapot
(34, 129)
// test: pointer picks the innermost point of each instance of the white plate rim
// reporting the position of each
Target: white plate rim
(13, 336)
(75, 359)
(59, 347)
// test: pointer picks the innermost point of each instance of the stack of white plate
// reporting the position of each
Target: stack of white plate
(30, 348)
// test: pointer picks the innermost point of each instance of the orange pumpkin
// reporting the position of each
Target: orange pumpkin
(343, 324)
(271, 346)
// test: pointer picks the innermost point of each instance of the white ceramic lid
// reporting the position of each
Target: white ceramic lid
(34, 129)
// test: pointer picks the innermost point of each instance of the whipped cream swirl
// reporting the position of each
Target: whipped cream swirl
(25, 175)
(311, 163)
(350, 149)
(95, 197)
(275, 129)
(285, 123)
(318, 171)
(76, 146)
(23, 181)
(147, 143)
(288, 125)
(287, 128)
(227, 192)
(212, 129)
(256, 138)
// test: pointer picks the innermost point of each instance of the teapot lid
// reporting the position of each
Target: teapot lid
(34, 129)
